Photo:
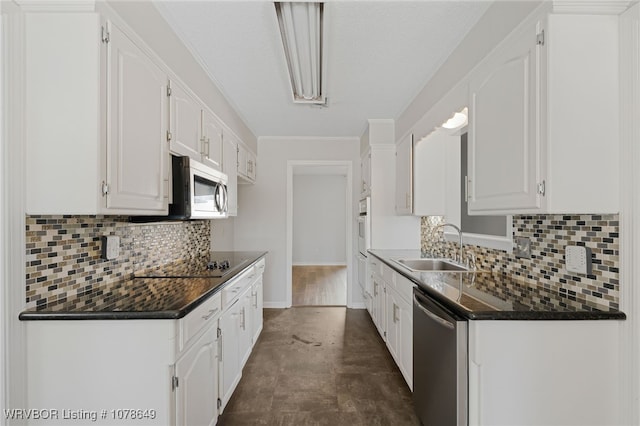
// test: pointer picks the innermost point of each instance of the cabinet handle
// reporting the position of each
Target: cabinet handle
(375, 288)
(211, 313)
(255, 299)
(395, 318)
(242, 319)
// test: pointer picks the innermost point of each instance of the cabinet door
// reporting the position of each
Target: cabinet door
(405, 320)
(230, 361)
(245, 331)
(365, 174)
(185, 123)
(136, 148)
(212, 140)
(242, 160)
(251, 166)
(197, 390)
(257, 305)
(504, 131)
(404, 176)
(378, 308)
(230, 168)
(393, 325)
(429, 173)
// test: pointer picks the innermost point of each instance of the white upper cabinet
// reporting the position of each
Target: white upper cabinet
(96, 119)
(195, 131)
(504, 140)
(211, 139)
(429, 174)
(246, 164)
(230, 168)
(137, 102)
(404, 176)
(543, 133)
(185, 126)
(365, 174)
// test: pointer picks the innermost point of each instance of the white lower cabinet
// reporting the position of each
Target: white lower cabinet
(197, 382)
(392, 313)
(544, 373)
(230, 371)
(256, 308)
(170, 372)
(400, 333)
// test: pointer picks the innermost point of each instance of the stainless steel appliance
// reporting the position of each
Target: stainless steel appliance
(364, 242)
(440, 378)
(199, 192)
(364, 226)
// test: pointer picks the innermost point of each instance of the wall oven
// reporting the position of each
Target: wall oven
(364, 226)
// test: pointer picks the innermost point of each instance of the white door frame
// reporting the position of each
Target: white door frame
(291, 164)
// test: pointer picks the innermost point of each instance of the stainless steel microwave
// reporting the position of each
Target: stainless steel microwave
(199, 192)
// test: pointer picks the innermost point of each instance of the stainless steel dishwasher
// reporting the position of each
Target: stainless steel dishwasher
(440, 382)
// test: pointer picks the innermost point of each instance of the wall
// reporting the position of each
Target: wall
(499, 20)
(148, 23)
(549, 234)
(222, 232)
(319, 222)
(261, 222)
(63, 252)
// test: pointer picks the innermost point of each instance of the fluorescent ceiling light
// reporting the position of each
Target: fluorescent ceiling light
(301, 32)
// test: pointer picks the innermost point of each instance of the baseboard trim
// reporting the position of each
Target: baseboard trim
(358, 305)
(275, 305)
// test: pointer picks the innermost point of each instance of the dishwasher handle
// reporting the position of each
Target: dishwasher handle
(443, 322)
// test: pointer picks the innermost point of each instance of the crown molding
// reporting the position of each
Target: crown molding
(591, 7)
(57, 5)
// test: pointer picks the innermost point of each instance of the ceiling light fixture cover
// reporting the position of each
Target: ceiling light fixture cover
(301, 31)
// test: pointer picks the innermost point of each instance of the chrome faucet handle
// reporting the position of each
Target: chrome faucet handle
(471, 261)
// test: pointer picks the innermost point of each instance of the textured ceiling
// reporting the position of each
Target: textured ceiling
(379, 55)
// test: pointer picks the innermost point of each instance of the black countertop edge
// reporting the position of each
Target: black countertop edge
(131, 315)
(504, 315)
(112, 315)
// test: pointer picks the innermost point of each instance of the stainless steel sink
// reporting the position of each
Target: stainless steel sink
(430, 264)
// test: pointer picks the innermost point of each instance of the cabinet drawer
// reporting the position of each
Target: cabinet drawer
(404, 287)
(388, 275)
(200, 317)
(259, 267)
(375, 266)
(233, 289)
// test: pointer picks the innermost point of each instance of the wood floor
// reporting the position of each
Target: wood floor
(319, 285)
(320, 366)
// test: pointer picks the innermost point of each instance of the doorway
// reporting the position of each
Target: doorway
(319, 233)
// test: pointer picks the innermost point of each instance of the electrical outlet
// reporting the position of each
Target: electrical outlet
(578, 259)
(110, 247)
(523, 247)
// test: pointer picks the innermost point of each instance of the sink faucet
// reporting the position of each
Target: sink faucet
(442, 225)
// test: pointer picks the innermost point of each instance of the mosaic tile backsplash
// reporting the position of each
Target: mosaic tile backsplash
(549, 234)
(63, 252)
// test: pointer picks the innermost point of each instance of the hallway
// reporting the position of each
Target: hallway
(320, 366)
(323, 285)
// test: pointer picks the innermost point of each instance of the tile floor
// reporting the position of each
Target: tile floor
(320, 366)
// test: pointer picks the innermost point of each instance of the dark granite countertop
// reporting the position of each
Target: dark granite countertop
(149, 296)
(490, 295)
